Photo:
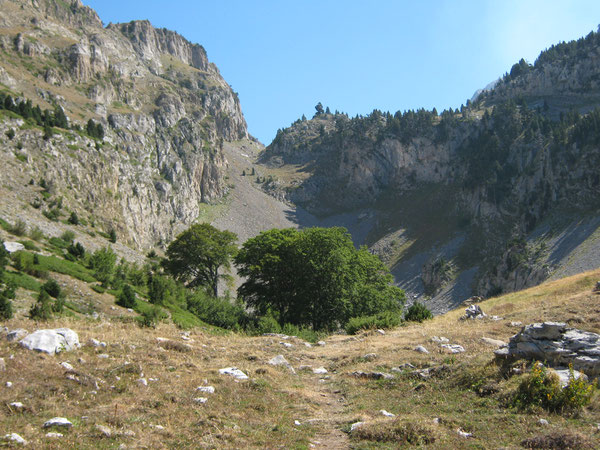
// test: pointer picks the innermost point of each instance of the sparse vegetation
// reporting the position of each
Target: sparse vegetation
(417, 312)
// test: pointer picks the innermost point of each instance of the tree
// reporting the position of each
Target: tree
(319, 109)
(126, 297)
(314, 277)
(102, 263)
(197, 254)
(42, 309)
(7, 292)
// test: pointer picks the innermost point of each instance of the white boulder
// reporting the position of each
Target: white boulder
(51, 341)
(233, 372)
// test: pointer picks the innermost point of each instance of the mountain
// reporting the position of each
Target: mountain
(165, 112)
(491, 198)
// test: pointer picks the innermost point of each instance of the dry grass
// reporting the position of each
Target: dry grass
(467, 392)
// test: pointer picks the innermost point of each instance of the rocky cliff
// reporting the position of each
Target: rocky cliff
(165, 111)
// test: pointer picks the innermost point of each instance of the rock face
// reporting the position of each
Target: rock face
(164, 107)
(556, 344)
(51, 341)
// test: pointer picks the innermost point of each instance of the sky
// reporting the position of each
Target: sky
(283, 57)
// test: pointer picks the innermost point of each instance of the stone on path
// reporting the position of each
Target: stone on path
(58, 422)
(234, 372)
(280, 360)
(421, 349)
(51, 341)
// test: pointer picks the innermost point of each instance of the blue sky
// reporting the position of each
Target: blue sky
(282, 56)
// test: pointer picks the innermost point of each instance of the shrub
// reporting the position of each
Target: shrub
(382, 320)
(417, 312)
(10, 134)
(42, 309)
(19, 228)
(397, 432)
(112, 235)
(52, 214)
(58, 305)
(562, 439)
(542, 389)
(126, 297)
(77, 250)
(68, 237)
(36, 234)
(102, 263)
(151, 317)
(268, 324)
(52, 288)
(73, 219)
(158, 289)
(6, 295)
(216, 311)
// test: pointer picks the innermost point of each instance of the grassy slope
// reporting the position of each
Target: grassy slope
(261, 412)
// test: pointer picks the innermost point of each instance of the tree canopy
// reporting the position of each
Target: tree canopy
(314, 277)
(197, 254)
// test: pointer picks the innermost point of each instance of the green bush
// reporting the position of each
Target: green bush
(42, 309)
(30, 246)
(52, 288)
(268, 324)
(383, 320)
(19, 228)
(73, 219)
(102, 263)
(68, 237)
(36, 234)
(151, 317)
(417, 312)
(541, 388)
(216, 311)
(126, 297)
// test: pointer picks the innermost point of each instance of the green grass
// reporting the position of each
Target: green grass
(23, 280)
(73, 269)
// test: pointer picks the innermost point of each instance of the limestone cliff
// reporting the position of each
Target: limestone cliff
(164, 107)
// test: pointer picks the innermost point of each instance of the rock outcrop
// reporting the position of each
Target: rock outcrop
(557, 345)
(51, 341)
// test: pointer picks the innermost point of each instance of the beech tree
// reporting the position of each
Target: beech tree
(314, 277)
(197, 255)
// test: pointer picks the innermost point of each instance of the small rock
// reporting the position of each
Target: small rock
(308, 344)
(464, 433)
(66, 366)
(15, 439)
(297, 423)
(142, 382)
(104, 430)
(103, 356)
(543, 422)
(355, 425)
(564, 376)
(385, 413)
(453, 348)
(58, 422)
(206, 389)
(382, 332)
(8, 384)
(17, 405)
(81, 360)
(516, 324)
(370, 356)
(2, 365)
(200, 400)
(157, 427)
(421, 349)
(280, 360)
(54, 435)
(287, 344)
(440, 339)
(321, 343)
(234, 372)
(474, 312)
(437, 420)
(320, 371)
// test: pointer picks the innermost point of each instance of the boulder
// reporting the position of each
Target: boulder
(473, 312)
(15, 439)
(557, 345)
(421, 349)
(493, 342)
(453, 348)
(320, 371)
(280, 360)
(51, 341)
(12, 247)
